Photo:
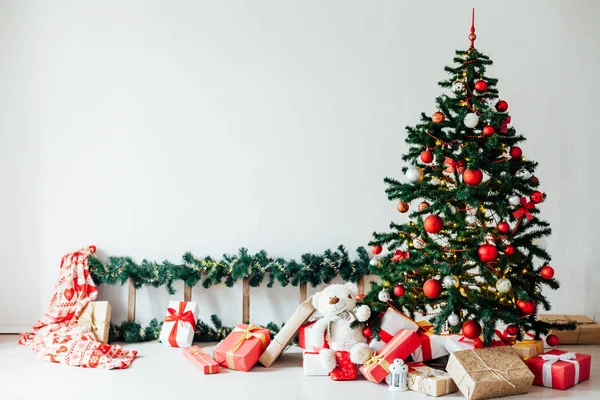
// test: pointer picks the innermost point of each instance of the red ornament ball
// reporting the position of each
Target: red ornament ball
(527, 307)
(509, 250)
(552, 340)
(535, 180)
(487, 252)
(377, 249)
(432, 288)
(433, 224)
(547, 272)
(501, 106)
(438, 117)
(403, 207)
(503, 227)
(471, 329)
(481, 86)
(512, 330)
(472, 177)
(427, 156)
(399, 290)
(537, 196)
(367, 332)
(93, 248)
(360, 297)
(516, 152)
(488, 130)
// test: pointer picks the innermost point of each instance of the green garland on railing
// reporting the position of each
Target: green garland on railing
(312, 268)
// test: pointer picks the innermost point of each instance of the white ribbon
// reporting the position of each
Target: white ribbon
(551, 359)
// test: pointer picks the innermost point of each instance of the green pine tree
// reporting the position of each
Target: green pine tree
(474, 249)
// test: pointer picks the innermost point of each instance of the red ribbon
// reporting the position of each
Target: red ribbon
(504, 125)
(478, 344)
(180, 317)
(454, 165)
(425, 329)
(524, 210)
(400, 255)
(504, 339)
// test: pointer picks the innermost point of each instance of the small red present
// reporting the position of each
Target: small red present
(242, 348)
(400, 346)
(305, 340)
(560, 369)
(201, 360)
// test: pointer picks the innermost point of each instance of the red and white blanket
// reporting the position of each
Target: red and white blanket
(56, 336)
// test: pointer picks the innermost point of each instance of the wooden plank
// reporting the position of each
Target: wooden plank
(187, 293)
(246, 300)
(303, 292)
(361, 285)
(131, 303)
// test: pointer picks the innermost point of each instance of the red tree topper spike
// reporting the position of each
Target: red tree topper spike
(472, 35)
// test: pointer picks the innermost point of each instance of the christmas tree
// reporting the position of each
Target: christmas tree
(473, 257)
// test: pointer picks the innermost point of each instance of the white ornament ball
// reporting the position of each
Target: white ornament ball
(458, 87)
(414, 174)
(450, 281)
(418, 243)
(541, 243)
(514, 200)
(491, 102)
(452, 209)
(383, 296)
(523, 174)
(435, 181)
(374, 262)
(471, 219)
(453, 319)
(503, 285)
(471, 120)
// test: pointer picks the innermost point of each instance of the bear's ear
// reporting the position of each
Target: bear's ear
(315, 300)
(352, 288)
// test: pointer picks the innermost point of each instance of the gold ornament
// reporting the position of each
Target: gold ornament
(438, 117)
(423, 205)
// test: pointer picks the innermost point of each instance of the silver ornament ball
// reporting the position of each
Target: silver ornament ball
(458, 87)
(453, 319)
(373, 262)
(383, 296)
(503, 285)
(435, 181)
(471, 219)
(450, 281)
(523, 174)
(471, 120)
(514, 200)
(414, 174)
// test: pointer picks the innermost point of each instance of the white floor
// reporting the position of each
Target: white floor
(160, 372)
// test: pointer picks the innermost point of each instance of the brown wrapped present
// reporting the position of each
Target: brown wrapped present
(489, 372)
(586, 332)
(95, 318)
(529, 348)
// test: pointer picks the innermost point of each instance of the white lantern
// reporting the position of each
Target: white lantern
(398, 376)
(471, 120)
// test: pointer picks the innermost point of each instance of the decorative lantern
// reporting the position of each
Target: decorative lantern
(398, 377)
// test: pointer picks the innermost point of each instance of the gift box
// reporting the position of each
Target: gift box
(457, 343)
(429, 381)
(95, 318)
(312, 364)
(242, 348)
(391, 323)
(502, 339)
(400, 346)
(432, 346)
(305, 340)
(280, 342)
(179, 324)
(490, 372)
(528, 348)
(586, 332)
(201, 360)
(560, 369)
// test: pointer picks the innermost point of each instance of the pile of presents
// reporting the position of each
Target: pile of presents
(437, 364)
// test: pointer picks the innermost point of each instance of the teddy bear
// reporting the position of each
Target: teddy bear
(347, 345)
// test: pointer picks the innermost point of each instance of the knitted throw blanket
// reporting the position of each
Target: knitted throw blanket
(57, 336)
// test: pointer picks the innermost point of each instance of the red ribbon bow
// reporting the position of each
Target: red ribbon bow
(524, 210)
(400, 255)
(504, 339)
(424, 331)
(180, 317)
(477, 343)
(453, 165)
(504, 125)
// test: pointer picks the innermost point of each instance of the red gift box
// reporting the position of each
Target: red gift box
(305, 340)
(400, 346)
(560, 369)
(242, 348)
(201, 360)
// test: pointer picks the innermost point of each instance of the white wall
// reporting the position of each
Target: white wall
(150, 128)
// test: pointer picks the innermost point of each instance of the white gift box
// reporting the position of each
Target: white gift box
(180, 323)
(392, 322)
(457, 343)
(312, 364)
(437, 348)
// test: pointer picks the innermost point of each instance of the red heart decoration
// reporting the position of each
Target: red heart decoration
(68, 293)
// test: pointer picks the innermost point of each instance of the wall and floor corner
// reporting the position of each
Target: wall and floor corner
(150, 129)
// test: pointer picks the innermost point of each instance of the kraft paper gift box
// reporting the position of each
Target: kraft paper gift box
(95, 318)
(457, 343)
(429, 381)
(528, 348)
(179, 324)
(559, 369)
(312, 364)
(280, 342)
(242, 348)
(432, 346)
(490, 372)
(400, 346)
(201, 360)
(586, 332)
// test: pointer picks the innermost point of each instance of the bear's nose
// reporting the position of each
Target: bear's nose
(334, 300)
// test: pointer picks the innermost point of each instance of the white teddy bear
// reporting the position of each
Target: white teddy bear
(347, 346)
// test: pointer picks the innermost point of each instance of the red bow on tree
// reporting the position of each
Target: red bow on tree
(400, 255)
(524, 210)
(504, 125)
(453, 165)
